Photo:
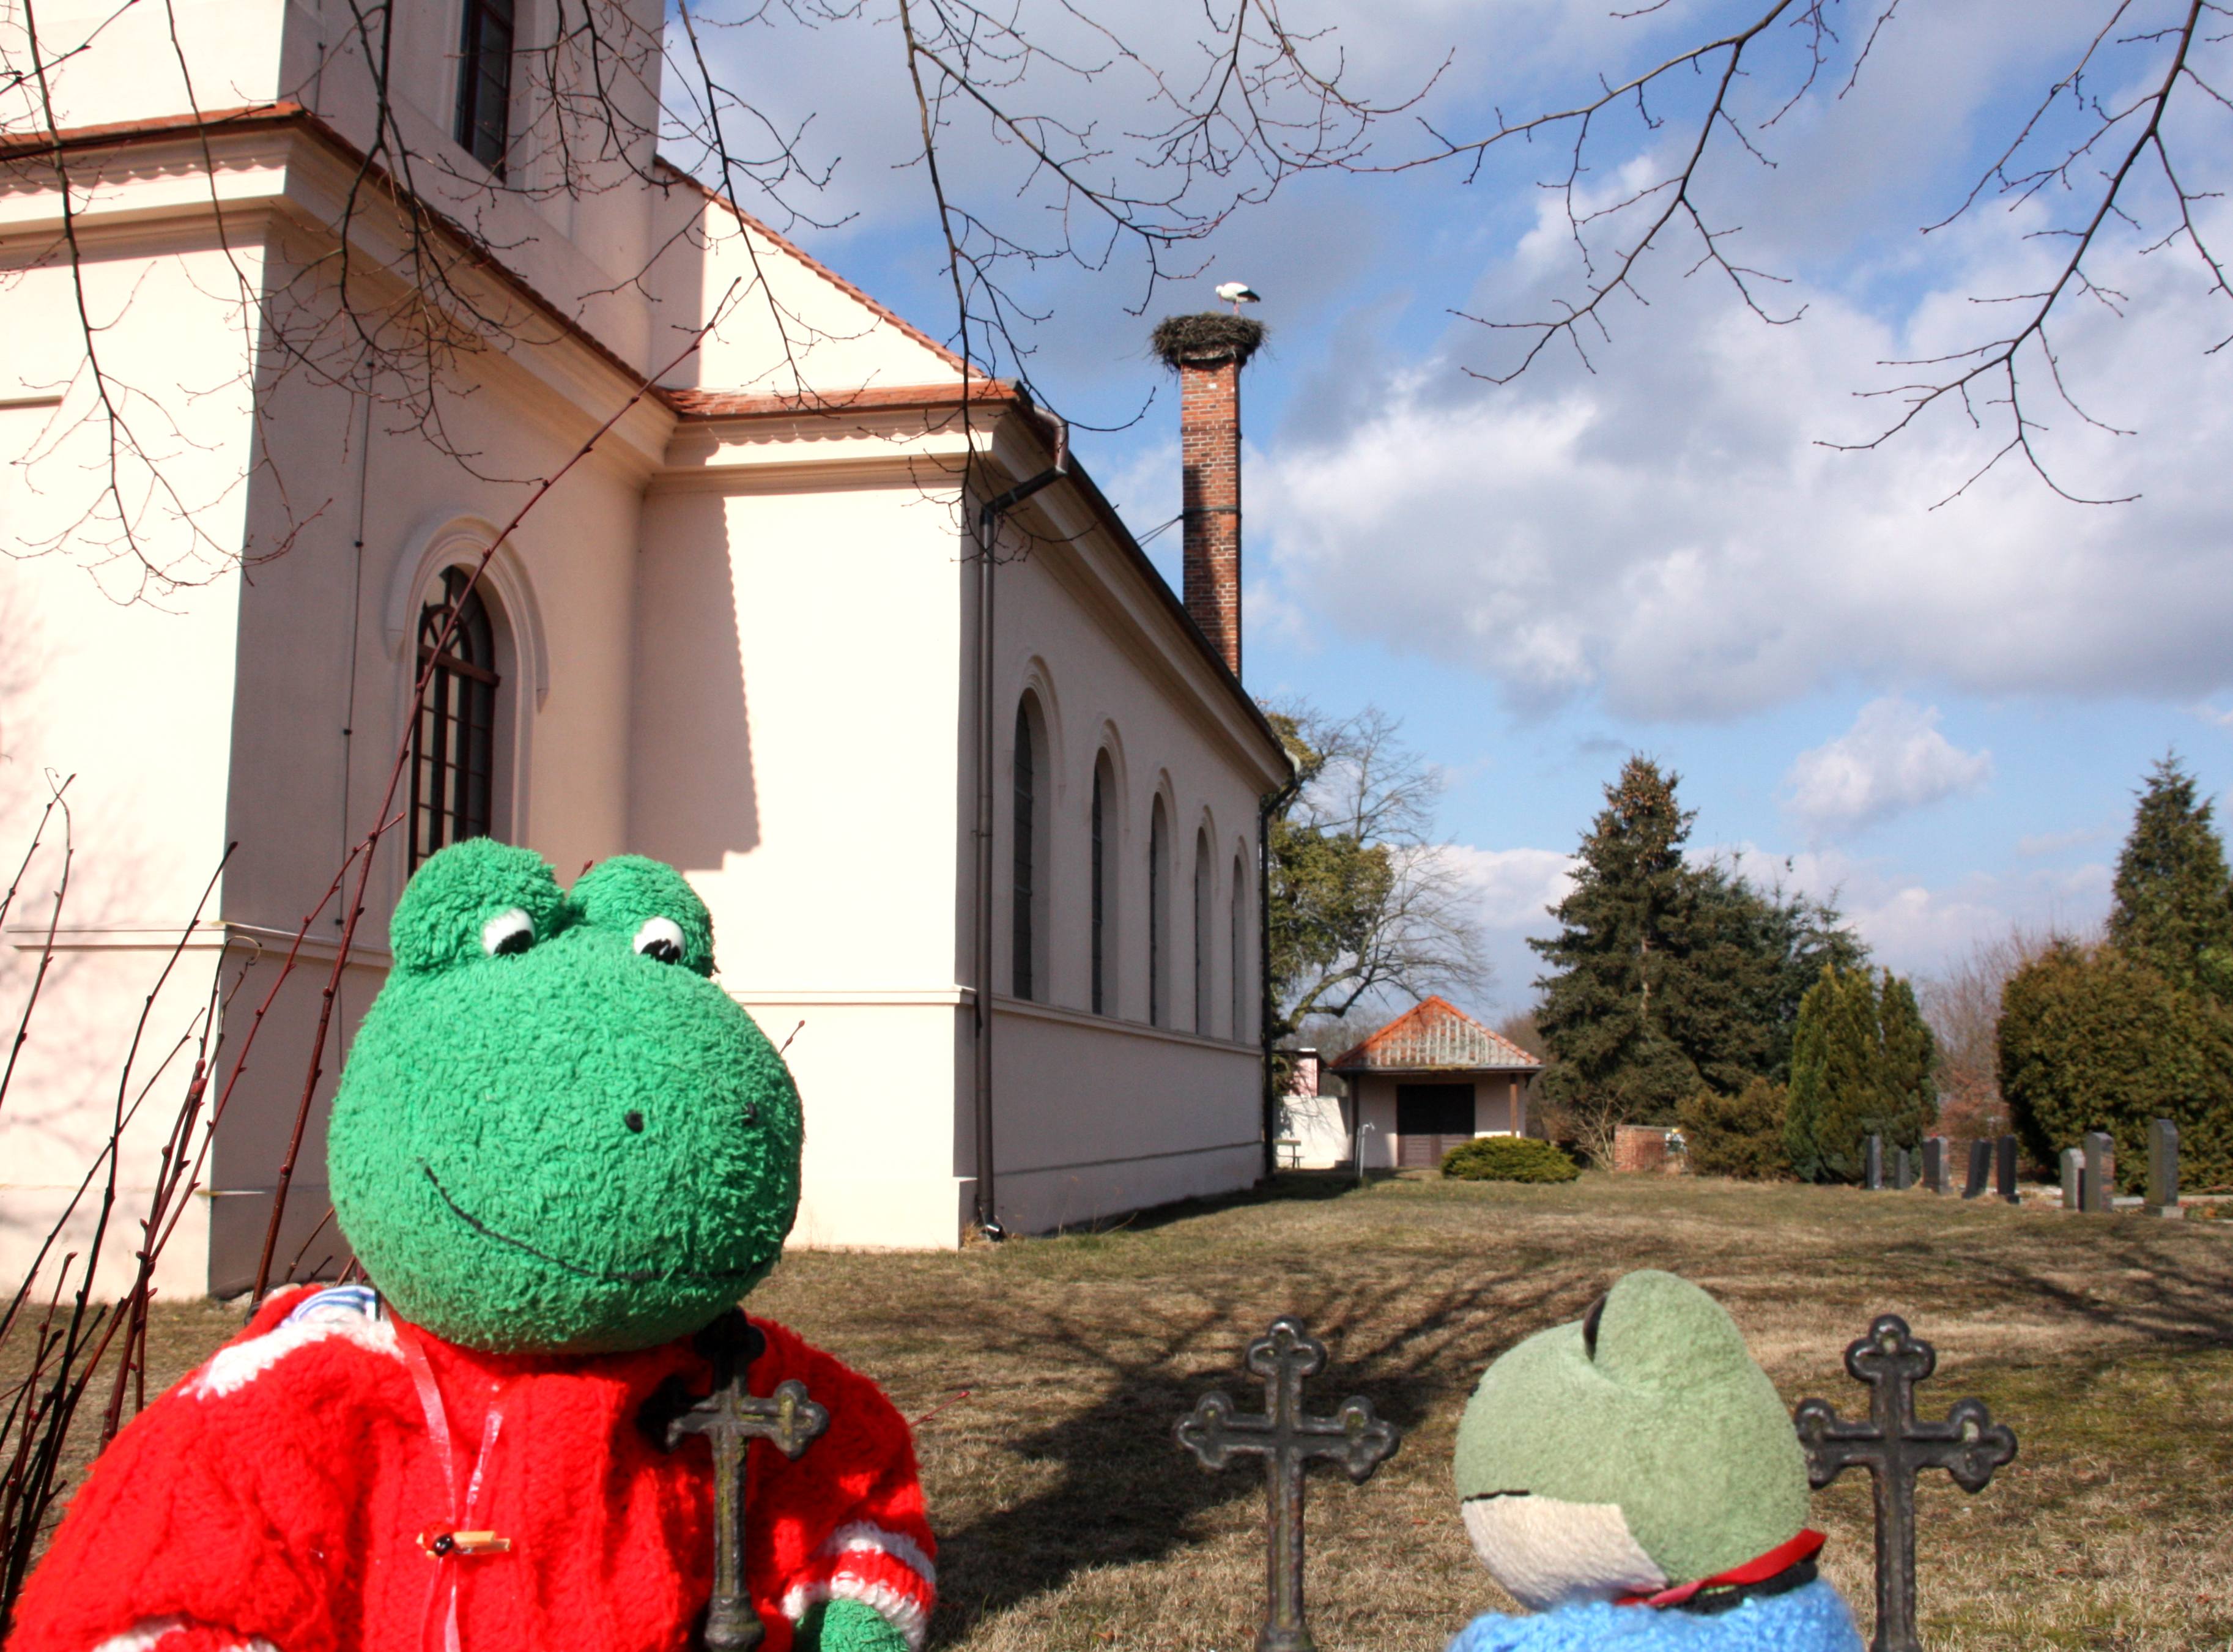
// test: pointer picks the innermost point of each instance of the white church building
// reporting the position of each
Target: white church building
(980, 836)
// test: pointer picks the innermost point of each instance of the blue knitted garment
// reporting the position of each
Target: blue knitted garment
(1809, 1619)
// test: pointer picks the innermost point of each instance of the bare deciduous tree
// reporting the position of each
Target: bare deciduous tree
(1963, 1007)
(1366, 903)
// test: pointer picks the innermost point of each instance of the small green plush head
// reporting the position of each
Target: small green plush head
(555, 1133)
(1638, 1448)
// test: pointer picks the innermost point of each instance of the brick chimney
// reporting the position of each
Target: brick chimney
(1207, 352)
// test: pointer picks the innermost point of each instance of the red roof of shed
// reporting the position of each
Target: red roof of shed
(1434, 1035)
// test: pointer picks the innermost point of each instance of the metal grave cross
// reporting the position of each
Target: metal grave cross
(1288, 1439)
(1895, 1448)
(731, 1418)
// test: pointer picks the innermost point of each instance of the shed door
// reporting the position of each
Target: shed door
(1430, 1120)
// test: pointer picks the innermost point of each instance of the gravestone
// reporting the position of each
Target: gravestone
(1937, 1165)
(2163, 1169)
(2073, 1179)
(1903, 1170)
(2004, 1171)
(1981, 1168)
(2100, 1171)
(1874, 1161)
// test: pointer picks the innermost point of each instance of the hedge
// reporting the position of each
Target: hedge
(1507, 1158)
(1737, 1135)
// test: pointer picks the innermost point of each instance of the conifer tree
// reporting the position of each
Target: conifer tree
(1860, 1066)
(1615, 952)
(2172, 910)
(1666, 977)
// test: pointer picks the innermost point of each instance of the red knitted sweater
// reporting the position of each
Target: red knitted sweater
(282, 1495)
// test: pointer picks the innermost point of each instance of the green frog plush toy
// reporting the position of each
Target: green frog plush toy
(559, 1151)
(1634, 1481)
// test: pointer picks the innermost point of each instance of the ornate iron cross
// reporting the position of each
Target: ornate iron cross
(731, 1418)
(1286, 1438)
(1894, 1448)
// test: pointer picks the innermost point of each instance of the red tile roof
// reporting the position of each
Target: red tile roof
(1432, 1036)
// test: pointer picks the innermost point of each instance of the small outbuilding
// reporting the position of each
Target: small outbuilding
(1431, 1078)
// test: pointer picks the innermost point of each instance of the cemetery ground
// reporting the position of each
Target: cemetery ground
(1045, 1376)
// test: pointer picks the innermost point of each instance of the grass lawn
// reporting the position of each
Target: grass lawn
(1047, 1372)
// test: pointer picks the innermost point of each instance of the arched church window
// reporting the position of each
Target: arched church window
(454, 739)
(1028, 877)
(1159, 926)
(1103, 939)
(1202, 853)
(1239, 948)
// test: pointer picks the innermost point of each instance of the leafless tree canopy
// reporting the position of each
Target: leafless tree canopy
(1368, 905)
(2123, 149)
(1962, 1006)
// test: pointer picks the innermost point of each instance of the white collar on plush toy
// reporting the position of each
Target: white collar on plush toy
(1757, 1569)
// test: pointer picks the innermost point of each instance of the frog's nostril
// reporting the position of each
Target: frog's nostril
(634, 1120)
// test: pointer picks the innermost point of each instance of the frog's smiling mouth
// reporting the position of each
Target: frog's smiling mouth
(615, 1275)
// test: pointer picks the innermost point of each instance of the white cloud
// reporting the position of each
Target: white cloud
(1667, 535)
(1916, 926)
(1514, 886)
(1892, 760)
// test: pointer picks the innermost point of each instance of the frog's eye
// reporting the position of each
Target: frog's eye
(508, 933)
(660, 938)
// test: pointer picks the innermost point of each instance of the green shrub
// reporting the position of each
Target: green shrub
(1737, 1135)
(1508, 1158)
(2091, 1040)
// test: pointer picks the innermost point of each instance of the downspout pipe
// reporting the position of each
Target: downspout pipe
(988, 527)
(1271, 804)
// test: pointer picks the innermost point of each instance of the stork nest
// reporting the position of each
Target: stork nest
(1211, 336)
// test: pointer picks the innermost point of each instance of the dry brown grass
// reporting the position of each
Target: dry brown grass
(1068, 1519)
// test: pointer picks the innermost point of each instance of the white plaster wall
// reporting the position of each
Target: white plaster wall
(129, 702)
(782, 327)
(1316, 1125)
(797, 707)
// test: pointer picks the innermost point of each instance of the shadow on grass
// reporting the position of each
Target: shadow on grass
(1125, 1491)
(1285, 1187)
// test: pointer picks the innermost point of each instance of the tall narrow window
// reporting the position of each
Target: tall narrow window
(454, 741)
(1159, 883)
(1202, 932)
(1100, 886)
(1239, 948)
(484, 82)
(1021, 938)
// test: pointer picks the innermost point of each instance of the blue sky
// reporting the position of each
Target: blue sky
(1939, 714)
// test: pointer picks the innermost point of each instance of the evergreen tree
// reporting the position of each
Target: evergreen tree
(1667, 979)
(1615, 952)
(1860, 1066)
(2172, 910)
(2090, 1039)
(1909, 1055)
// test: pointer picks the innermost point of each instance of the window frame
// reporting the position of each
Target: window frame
(1028, 853)
(471, 685)
(487, 31)
(1102, 931)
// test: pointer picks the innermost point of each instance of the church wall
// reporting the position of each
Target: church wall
(130, 699)
(1099, 1114)
(303, 793)
(785, 328)
(794, 751)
